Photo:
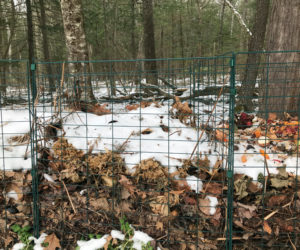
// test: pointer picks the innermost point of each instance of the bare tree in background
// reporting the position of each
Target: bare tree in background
(283, 33)
(149, 42)
(43, 22)
(77, 47)
(256, 43)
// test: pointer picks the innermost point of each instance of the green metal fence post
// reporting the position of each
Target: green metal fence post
(231, 154)
(33, 131)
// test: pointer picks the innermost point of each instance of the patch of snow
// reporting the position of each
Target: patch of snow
(12, 194)
(92, 244)
(38, 242)
(213, 204)
(18, 246)
(139, 239)
(194, 183)
(117, 235)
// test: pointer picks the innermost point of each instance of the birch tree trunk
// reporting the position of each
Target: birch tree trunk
(77, 48)
(281, 90)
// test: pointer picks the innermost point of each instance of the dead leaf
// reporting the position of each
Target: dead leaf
(272, 116)
(159, 226)
(244, 158)
(276, 200)
(108, 239)
(204, 205)
(99, 204)
(108, 181)
(267, 228)
(53, 242)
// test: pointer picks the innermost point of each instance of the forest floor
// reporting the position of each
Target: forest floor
(150, 175)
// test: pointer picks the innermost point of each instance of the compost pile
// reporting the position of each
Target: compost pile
(82, 193)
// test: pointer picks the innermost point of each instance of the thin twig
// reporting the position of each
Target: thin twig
(74, 209)
(293, 246)
(276, 211)
(206, 124)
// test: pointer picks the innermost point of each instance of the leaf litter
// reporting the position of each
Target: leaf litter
(151, 195)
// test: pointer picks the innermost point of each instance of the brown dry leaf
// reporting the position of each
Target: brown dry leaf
(8, 240)
(130, 107)
(53, 242)
(276, 200)
(272, 116)
(99, 109)
(108, 239)
(15, 187)
(246, 211)
(213, 188)
(267, 228)
(204, 205)
(108, 181)
(159, 226)
(99, 204)
(147, 131)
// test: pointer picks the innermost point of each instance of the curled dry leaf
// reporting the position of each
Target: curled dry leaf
(267, 228)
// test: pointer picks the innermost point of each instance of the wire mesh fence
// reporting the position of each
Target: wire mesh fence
(183, 153)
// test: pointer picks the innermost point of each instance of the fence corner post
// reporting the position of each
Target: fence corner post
(230, 170)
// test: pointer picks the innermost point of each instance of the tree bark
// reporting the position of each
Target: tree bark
(30, 43)
(256, 43)
(43, 22)
(149, 42)
(281, 88)
(77, 48)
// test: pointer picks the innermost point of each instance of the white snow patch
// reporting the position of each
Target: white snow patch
(12, 194)
(139, 239)
(117, 235)
(194, 183)
(18, 246)
(213, 204)
(38, 242)
(92, 244)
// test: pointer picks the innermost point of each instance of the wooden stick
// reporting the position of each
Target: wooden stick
(293, 246)
(206, 124)
(276, 211)
(74, 209)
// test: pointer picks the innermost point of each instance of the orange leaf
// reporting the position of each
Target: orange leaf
(244, 158)
(221, 136)
(272, 116)
(263, 153)
(267, 228)
(257, 133)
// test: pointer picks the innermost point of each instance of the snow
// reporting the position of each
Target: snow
(92, 244)
(117, 235)
(12, 194)
(194, 183)
(213, 204)
(14, 122)
(38, 242)
(139, 239)
(18, 246)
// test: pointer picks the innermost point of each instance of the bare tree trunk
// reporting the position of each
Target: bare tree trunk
(43, 22)
(281, 90)
(30, 42)
(133, 40)
(220, 38)
(256, 43)
(77, 47)
(149, 42)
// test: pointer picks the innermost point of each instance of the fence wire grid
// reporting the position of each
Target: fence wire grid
(199, 153)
